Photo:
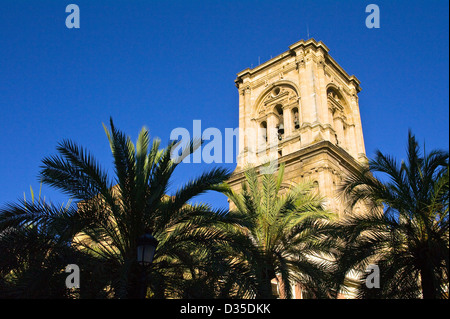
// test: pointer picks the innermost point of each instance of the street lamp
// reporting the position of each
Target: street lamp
(146, 246)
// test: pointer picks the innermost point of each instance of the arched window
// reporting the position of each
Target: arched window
(280, 126)
(262, 136)
(338, 115)
(295, 118)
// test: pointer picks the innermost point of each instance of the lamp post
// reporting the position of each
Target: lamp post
(146, 247)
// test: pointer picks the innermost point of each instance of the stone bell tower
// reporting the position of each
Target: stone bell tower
(301, 109)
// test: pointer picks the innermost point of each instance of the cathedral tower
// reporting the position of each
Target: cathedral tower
(301, 109)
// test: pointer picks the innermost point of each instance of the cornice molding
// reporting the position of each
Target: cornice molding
(299, 49)
(341, 156)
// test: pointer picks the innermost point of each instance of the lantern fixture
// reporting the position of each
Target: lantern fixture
(146, 247)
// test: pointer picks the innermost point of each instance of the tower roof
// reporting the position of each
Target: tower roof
(294, 50)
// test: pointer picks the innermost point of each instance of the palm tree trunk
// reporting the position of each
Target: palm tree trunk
(428, 286)
(281, 287)
(135, 282)
(265, 289)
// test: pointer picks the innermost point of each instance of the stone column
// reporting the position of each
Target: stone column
(242, 130)
(317, 85)
(306, 106)
(288, 121)
(272, 136)
(351, 138)
(304, 88)
(325, 118)
(358, 127)
(339, 129)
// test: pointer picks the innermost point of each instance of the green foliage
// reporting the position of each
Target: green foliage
(405, 228)
(111, 213)
(273, 231)
(283, 234)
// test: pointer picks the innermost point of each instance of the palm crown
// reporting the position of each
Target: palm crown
(283, 229)
(112, 213)
(405, 229)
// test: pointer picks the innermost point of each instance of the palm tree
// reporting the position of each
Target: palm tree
(404, 229)
(282, 231)
(112, 213)
(35, 245)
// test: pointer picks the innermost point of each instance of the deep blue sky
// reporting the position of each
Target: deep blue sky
(163, 64)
